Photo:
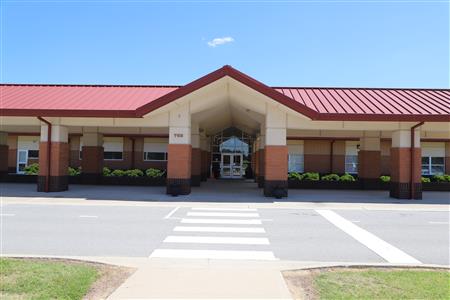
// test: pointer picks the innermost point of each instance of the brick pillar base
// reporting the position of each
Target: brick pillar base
(401, 174)
(92, 164)
(369, 169)
(196, 164)
(58, 179)
(3, 159)
(261, 168)
(179, 169)
(276, 171)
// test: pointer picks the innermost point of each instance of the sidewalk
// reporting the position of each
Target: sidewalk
(203, 279)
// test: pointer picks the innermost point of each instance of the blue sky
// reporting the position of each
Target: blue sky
(288, 43)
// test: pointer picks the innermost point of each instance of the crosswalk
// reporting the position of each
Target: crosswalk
(217, 233)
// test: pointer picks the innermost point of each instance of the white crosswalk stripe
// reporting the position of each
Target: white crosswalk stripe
(220, 229)
(225, 241)
(222, 221)
(222, 214)
(217, 240)
(223, 209)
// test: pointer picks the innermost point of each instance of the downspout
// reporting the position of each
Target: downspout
(331, 155)
(49, 150)
(412, 168)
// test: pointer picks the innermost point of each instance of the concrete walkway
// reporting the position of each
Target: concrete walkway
(194, 279)
(216, 191)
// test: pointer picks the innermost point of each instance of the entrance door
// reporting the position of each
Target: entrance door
(231, 165)
(22, 160)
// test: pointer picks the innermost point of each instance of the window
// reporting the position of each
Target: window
(296, 163)
(33, 154)
(112, 155)
(433, 165)
(351, 164)
(155, 149)
(295, 157)
(155, 156)
(113, 148)
(351, 157)
(433, 154)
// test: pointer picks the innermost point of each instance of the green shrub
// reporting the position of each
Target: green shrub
(426, 179)
(331, 177)
(118, 173)
(441, 178)
(32, 169)
(347, 177)
(385, 178)
(74, 171)
(295, 176)
(106, 171)
(154, 173)
(134, 173)
(310, 176)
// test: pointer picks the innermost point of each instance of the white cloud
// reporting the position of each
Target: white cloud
(220, 41)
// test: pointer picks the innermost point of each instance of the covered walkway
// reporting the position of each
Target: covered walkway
(220, 191)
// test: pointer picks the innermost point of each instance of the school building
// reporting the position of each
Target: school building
(228, 125)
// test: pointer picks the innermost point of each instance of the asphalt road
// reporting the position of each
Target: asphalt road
(356, 235)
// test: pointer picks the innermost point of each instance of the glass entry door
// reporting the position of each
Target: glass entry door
(22, 160)
(231, 165)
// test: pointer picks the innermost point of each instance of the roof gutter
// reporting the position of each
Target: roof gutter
(49, 150)
(413, 142)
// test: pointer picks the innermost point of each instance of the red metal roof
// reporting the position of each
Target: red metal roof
(365, 104)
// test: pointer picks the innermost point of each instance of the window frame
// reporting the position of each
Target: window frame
(116, 159)
(145, 156)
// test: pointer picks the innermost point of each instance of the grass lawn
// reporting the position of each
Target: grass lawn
(383, 284)
(41, 279)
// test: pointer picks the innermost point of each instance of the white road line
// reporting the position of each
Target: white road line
(374, 243)
(224, 209)
(220, 229)
(86, 216)
(222, 214)
(171, 212)
(213, 254)
(355, 221)
(216, 240)
(221, 221)
(437, 222)
(7, 215)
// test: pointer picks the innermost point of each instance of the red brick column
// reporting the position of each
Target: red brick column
(401, 172)
(196, 164)
(179, 169)
(58, 179)
(369, 168)
(92, 164)
(4, 151)
(276, 170)
(261, 167)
